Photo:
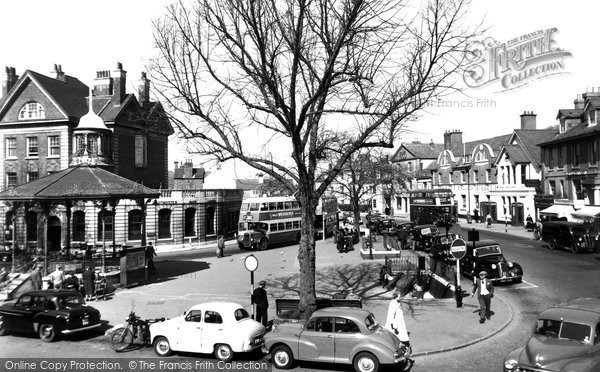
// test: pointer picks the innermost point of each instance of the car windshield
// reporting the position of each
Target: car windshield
(71, 301)
(241, 314)
(563, 330)
(487, 250)
(371, 322)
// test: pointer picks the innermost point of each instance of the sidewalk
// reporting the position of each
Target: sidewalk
(435, 325)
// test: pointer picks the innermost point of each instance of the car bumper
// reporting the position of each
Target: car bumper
(506, 279)
(71, 331)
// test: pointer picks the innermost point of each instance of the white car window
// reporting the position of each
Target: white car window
(193, 316)
(212, 317)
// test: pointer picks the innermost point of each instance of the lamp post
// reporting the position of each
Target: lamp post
(155, 204)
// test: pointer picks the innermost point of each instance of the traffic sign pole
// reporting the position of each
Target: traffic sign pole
(458, 248)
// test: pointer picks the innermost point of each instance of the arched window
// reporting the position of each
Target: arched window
(78, 226)
(481, 155)
(210, 220)
(135, 221)
(108, 224)
(32, 110)
(164, 223)
(190, 222)
(32, 226)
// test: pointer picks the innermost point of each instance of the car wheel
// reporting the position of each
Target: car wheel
(574, 248)
(282, 357)
(519, 280)
(2, 328)
(366, 362)
(224, 353)
(241, 246)
(47, 332)
(552, 244)
(162, 348)
(264, 243)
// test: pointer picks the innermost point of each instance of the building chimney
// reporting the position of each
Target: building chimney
(579, 102)
(528, 120)
(144, 90)
(188, 167)
(10, 79)
(103, 83)
(453, 140)
(58, 73)
(119, 79)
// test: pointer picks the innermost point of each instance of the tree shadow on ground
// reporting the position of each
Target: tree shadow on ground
(170, 270)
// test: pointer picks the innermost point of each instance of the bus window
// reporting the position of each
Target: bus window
(295, 205)
(281, 226)
(288, 225)
(288, 205)
(296, 224)
(279, 205)
(254, 206)
(273, 227)
(244, 207)
(242, 226)
(272, 206)
(264, 206)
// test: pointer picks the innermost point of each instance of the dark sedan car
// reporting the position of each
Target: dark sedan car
(487, 255)
(48, 313)
(440, 247)
(423, 237)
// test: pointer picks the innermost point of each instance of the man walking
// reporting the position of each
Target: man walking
(150, 253)
(395, 320)
(259, 297)
(58, 277)
(36, 278)
(88, 282)
(485, 291)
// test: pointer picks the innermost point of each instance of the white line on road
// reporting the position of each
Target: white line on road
(529, 285)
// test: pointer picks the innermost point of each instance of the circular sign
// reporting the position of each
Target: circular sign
(458, 248)
(251, 263)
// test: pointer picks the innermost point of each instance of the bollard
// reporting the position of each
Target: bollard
(458, 294)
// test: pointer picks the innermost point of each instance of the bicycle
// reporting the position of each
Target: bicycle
(136, 328)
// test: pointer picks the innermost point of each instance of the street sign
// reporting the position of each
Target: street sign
(458, 248)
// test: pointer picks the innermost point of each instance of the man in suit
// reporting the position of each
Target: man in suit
(259, 297)
(485, 291)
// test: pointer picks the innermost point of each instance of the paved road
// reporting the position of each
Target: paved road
(550, 277)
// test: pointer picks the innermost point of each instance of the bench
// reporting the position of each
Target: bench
(287, 308)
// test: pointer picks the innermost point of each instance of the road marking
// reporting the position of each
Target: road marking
(529, 285)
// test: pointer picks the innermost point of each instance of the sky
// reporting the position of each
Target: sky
(91, 35)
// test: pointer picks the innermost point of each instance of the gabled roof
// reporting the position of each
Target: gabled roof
(516, 154)
(569, 113)
(577, 131)
(420, 150)
(496, 143)
(529, 138)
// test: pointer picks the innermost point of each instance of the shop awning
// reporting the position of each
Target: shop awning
(558, 210)
(587, 212)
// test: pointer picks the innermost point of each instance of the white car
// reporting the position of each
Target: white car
(222, 328)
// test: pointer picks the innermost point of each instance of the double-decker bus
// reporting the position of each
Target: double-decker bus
(432, 206)
(265, 221)
(326, 217)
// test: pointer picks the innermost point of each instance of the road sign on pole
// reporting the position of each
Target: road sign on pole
(458, 248)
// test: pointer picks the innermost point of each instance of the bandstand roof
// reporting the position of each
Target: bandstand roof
(82, 182)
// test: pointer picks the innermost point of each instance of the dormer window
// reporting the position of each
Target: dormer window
(481, 156)
(32, 110)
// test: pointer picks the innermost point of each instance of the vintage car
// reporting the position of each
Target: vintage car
(487, 255)
(222, 328)
(344, 335)
(573, 236)
(423, 236)
(440, 247)
(48, 313)
(564, 338)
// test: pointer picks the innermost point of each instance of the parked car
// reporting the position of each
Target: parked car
(48, 313)
(423, 236)
(440, 247)
(570, 235)
(564, 338)
(344, 335)
(222, 328)
(487, 255)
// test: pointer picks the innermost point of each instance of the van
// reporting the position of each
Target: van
(573, 236)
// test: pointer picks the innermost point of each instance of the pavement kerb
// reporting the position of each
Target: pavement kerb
(472, 342)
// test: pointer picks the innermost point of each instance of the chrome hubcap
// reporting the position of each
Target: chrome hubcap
(224, 352)
(366, 365)
(281, 358)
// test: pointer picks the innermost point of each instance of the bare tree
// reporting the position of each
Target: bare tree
(308, 78)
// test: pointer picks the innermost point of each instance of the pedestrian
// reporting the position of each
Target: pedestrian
(395, 320)
(88, 283)
(259, 297)
(485, 291)
(3, 276)
(150, 253)
(476, 215)
(36, 277)
(488, 220)
(220, 246)
(71, 281)
(334, 231)
(340, 241)
(57, 277)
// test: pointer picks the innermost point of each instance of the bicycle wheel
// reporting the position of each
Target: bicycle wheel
(121, 339)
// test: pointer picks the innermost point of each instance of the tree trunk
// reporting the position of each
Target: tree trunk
(306, 257)
(356, 211)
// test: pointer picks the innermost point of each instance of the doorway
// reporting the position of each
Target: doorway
(54, 231)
